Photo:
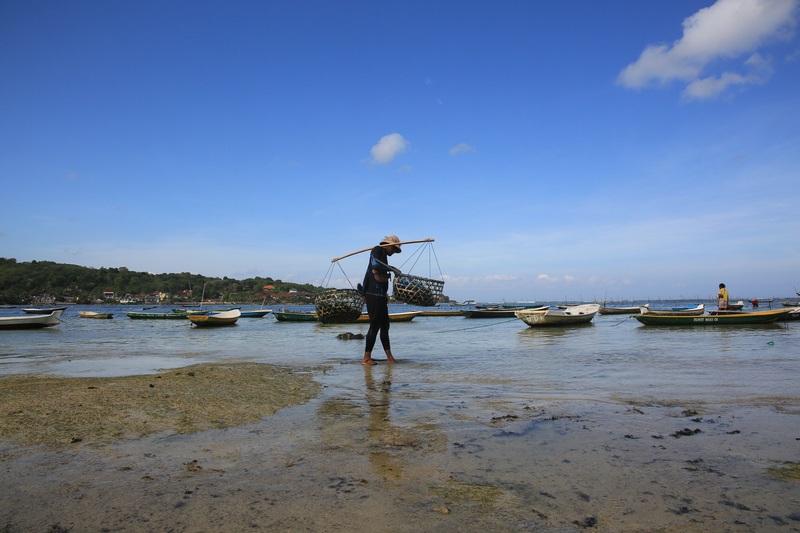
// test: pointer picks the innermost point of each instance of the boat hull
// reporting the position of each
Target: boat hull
(225, 318)
(295, 316)
(760, 317)
(394, 317)
(94, 314)
(36, 321)
(579, 314)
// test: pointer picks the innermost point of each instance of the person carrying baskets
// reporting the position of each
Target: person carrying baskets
(375, 290)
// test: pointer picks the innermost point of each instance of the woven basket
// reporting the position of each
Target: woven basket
(414, 290)
(338, 306)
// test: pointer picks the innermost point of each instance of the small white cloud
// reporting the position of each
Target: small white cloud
(725, 30)
(389, 147)
(460, 148)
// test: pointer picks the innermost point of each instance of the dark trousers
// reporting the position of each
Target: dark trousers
(378, 311)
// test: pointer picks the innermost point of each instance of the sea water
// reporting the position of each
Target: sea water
(612, 357)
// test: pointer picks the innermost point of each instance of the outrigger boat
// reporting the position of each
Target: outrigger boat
(223, 318)
(758, 317)
(576, 314)
(31, 322)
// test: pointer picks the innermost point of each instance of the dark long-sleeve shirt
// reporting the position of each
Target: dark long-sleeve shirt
(378, 261)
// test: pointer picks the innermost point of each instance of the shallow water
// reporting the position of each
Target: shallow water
(613, 357)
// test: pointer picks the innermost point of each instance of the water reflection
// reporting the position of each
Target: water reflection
(381, 433)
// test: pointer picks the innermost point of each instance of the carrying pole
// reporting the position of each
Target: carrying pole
(429, 239)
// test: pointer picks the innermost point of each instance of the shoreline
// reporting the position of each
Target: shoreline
(379, 458)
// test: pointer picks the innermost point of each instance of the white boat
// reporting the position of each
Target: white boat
(223, 318)
(631, 310)
(94, 314)
(688, 311)
(576, 314)
(42, 310)
(31, 321)
(738, 306)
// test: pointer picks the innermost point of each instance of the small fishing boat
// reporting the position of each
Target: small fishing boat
(495, 312)
(630, 310)
(255, 313)
(31, 322)
(576, 314)
(736, 306)
(144, 315)
(295, 316)
(679, 311)
(441, 312)
(94, 314)
(407, 316)
(731, 319)
(223, 318)
(42, 310)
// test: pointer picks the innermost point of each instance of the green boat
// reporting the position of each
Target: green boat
(759, 317)
(295, 316)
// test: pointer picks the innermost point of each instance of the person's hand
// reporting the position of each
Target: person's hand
(396, 271)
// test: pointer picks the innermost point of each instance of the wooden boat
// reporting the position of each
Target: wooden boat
(407, 316)
(679, 311)
(576, 314)
(255, 313)
(223, 318)
(31, 322)
(156, 316)
(730, 319)
(439, 312)
(42, 310)
(495, 312)
(295, 316)
(94, 314)
(631, 310)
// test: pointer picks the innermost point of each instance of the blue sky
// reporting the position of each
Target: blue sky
(555, 150)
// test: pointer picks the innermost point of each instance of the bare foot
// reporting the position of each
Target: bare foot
(391, 360)
(367, 362)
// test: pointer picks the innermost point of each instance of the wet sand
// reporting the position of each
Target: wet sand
(247, 446)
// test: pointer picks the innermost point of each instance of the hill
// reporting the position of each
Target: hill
(46, 282)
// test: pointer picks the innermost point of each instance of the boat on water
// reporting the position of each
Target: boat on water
(576, 314)
(406, 316)
(441, 312)
(255, 313)
(679, 311)
(736, 306)
(285, 315)
(31, 322)
(94, 314)
(42, 310)
(496, 312)
(728, 319)
(629, 310)
(213, 319)
(145, 315)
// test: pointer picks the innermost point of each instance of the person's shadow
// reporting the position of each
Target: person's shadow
(382, 435)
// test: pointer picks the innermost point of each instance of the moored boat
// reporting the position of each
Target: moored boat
(285, 315)
(407, 316)
(679, 311)
(255, 313)
(223, 318)
(576, 314)
(94, 314)
(629, 310)
(729, 319)
(42, 310)
(31, 322)
(156, 316)
(493, 312)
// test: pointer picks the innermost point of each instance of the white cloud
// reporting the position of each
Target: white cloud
(460, 148)
(389, 147)
(726, 30)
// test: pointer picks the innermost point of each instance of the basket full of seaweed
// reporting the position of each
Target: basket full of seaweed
(338, 306)
(416, 290)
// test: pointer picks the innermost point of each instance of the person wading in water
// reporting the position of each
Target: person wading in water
(375, 289)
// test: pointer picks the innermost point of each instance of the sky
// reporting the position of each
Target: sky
(554, 150)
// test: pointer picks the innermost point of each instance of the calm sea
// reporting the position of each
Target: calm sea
(441, 357)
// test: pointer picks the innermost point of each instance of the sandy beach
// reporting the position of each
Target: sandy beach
(244, 446)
